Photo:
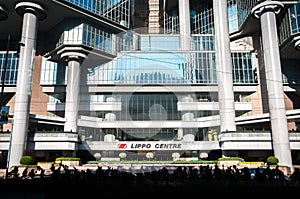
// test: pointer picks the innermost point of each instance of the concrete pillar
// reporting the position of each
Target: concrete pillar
(31, 13)
(267, 11)
(74, 60)
(224, 67)
(154, 17)
(184, 24)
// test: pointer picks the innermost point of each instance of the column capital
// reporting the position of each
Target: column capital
(24, 7)
(73, 56)
(3, 14)
(297, 45)
(72, 52)
(274, 6)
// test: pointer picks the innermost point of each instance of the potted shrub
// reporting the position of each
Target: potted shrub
(272, 161)
(26, 160)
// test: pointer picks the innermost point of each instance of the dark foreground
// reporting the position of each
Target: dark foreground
(44, 189)
(182, 182)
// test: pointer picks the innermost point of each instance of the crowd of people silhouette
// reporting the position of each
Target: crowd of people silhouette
(150, 181)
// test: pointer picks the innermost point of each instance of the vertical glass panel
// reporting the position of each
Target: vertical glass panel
(232, 16)
(202, 18)
(53, 73)
(244, 68)
(9, 61)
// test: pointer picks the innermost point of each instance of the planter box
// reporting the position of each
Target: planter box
(228, 163)
(46, 166)
(68, 162)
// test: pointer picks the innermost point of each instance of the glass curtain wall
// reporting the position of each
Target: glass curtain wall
(114, 10)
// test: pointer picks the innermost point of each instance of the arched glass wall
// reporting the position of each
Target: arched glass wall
(158, 68)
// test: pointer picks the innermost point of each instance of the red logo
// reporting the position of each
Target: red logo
(122, 146)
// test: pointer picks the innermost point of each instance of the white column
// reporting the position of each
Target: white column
(74, 60)
(180, 134)
(184, 23)
(267, 11)
(224, 67)
(31, 14)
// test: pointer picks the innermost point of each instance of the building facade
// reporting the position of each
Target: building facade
(150, 79)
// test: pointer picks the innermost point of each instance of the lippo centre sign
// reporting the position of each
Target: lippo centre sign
(148, 146)
(152, 145)
(167, 145)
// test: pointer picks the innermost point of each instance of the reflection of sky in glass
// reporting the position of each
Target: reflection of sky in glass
(232, 17)
(169, 68)
(158, 68)
(142, 68)
(115, 10)
(160, 42)
(12, 63)
(91, 5)
(295, 18)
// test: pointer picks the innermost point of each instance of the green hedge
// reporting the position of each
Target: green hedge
(67, 159)
(230, 158)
